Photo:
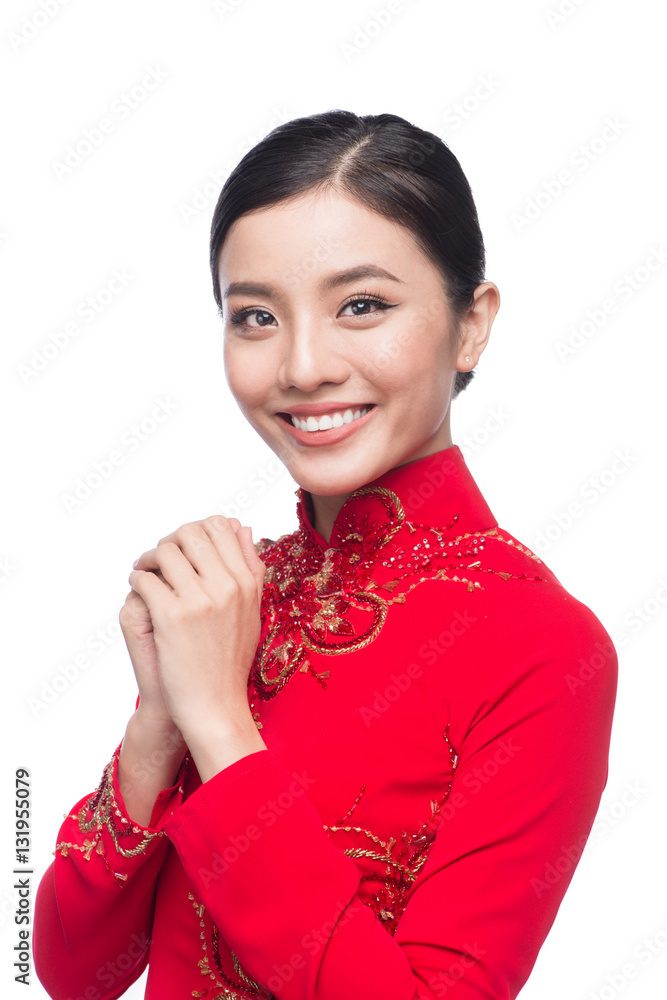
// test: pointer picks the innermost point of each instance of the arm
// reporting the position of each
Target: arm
(94, 904)
(532, 766)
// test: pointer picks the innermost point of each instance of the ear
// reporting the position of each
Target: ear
(475, 326)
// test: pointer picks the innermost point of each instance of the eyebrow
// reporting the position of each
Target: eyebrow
(331, 281)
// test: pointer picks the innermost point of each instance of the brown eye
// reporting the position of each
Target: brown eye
(238, 318)
(366, 300)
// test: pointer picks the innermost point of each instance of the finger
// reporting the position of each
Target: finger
(211, 546)
(196, 544)
(255, 564)
(191, 538)
(175, 569)
(171, 537)
(149, 588)
(227, 542)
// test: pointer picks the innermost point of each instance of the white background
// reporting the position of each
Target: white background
(536, 89)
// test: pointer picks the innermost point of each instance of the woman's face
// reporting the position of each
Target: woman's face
(312, 339)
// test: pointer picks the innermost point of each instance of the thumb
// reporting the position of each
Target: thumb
(255, 564)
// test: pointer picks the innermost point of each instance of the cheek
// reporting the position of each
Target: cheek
(411, 361)
(246, 378)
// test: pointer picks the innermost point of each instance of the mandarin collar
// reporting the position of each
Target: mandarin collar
(437, 489)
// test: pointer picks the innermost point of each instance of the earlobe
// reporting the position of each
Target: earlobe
(478, 323)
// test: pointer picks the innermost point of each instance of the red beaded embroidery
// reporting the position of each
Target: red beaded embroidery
(224, 986)
(385, 887)
(103, 810)
(388, 870)
(336, 600)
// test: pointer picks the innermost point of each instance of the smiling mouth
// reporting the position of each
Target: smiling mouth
(325, 422)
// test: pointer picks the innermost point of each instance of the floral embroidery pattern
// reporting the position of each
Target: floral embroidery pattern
(336, 600)
(227, 988)
(103, 810)
(385, 889)
(388, 869)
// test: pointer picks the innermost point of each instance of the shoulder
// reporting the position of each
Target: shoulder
(515, 619)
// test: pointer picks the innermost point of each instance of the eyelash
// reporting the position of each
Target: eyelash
(237, 316)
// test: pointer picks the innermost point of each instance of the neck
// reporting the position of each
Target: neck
(326, 508)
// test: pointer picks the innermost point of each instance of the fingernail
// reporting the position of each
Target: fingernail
(135, 562)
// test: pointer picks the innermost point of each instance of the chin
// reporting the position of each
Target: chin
(334, 477)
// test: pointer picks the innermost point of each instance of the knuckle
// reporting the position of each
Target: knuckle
(218, 522)
(175, 614)
(168, 546)
(188, 528)
(226, 592)
(205, 606)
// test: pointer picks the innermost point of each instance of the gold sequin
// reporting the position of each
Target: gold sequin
(224, 986)
(103, 810)
(335, 601)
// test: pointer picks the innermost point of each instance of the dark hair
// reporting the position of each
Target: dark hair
(402, 172)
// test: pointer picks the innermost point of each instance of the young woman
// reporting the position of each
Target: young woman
(365, 757)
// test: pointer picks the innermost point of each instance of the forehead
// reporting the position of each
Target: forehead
(315, 232)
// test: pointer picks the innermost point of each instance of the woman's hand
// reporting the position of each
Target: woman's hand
(137, 627)
(202, 587)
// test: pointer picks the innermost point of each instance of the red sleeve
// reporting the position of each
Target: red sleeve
(530, 705)
(94, 904)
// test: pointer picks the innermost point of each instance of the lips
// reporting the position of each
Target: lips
(338, 417)
(338, 422)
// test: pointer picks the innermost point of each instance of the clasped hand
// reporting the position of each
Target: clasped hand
(202, 585)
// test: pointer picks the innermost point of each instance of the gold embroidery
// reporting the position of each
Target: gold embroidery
(402, 859)
(243, 988)
(385, 891)
(310, 593)
(103, 809)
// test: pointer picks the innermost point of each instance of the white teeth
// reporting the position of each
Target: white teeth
(329, 420)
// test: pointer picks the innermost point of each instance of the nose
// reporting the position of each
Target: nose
(312, 356)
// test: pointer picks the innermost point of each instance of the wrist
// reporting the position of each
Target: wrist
(220, 740)
(154, 721)
(153, 739)
(226, 712)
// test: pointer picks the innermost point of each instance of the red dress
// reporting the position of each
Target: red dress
(437, 710)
